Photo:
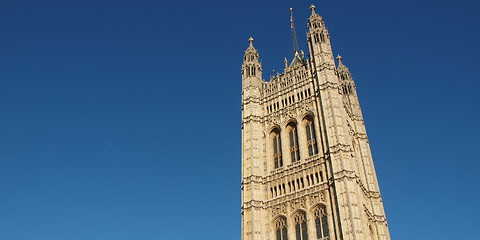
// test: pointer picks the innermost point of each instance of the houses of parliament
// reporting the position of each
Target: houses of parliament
(307, 170)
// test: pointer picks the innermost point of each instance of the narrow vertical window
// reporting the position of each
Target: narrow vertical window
(324, 226)
(294, 149)
(321, 225)
(277, 150)
(311, 138)
(301, 227)
(281, 229)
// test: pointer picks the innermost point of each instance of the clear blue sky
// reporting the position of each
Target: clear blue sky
(121, 119)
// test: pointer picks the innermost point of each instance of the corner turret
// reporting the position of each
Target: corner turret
(319, 39)
(251, 68)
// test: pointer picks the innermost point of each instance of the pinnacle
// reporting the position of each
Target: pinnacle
(312, 7)
(251, 41)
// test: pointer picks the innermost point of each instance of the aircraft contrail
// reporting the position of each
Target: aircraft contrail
(115, 149)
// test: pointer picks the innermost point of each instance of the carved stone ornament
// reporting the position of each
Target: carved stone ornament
(278, 209)
(274, 120)
(317, 197)
(298, 203)
(290, 115)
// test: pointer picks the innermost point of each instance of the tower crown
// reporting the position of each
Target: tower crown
(315, 21)
(343, 72)
(251, 68)
(251, 54)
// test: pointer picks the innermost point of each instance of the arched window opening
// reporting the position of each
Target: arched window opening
(311, 138)
(321, 224)
(281, 229)
(293, 137)
(300, 227)
(277, 149)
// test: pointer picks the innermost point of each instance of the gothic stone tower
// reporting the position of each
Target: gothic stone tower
(307, 171)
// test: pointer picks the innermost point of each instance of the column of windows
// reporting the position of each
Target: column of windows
(277, 150)
(294, 149)
(294, 144)
(281, 229)
(321, 225)
(300, 223)
(311, 138)
(300, 227)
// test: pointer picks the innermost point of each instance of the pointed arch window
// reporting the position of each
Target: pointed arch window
(300, 227)
(277, 149)
(322, 37)
(281, 229)
(311, 138)
(321, 224)
(293, 137)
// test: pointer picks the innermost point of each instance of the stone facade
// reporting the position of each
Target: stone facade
(307, 171)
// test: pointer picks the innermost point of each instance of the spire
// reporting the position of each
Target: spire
(342, 70)
(251, 54)
(292, 26)
(339, 58)
(250, 47)
(341, 67)
(251, 66)
(314, 19)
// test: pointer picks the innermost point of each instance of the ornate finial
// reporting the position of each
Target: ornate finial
(286, 63)
(251, 41)
(339, 58)
(312, 8)
(303, 54)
